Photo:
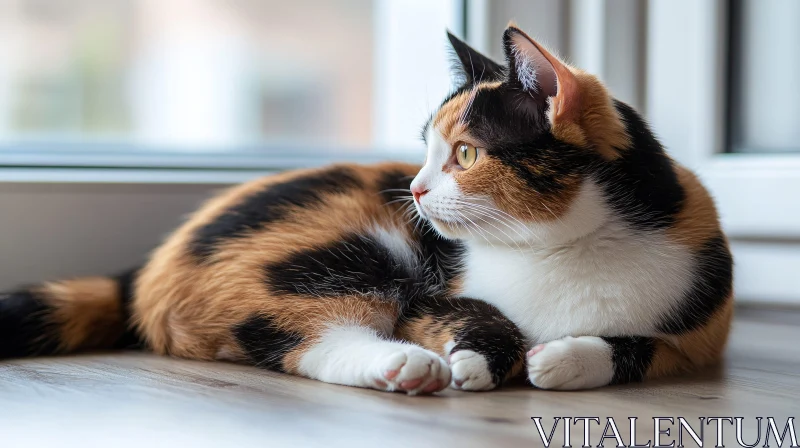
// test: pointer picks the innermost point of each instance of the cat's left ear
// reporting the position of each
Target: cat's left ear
(542, 76)
(471, 66)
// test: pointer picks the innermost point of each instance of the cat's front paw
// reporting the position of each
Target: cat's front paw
(412, 370)
(571, 363)
(470, 371)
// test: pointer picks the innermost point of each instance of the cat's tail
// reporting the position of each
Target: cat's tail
(67, 316)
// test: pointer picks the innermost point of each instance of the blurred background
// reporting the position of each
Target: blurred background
(117, 117)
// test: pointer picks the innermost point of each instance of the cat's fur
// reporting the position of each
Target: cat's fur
(574, 248)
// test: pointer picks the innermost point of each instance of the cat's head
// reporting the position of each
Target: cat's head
(511, 152)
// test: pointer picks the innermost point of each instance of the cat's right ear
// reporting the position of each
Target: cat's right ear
(470, 67)
(539, 75)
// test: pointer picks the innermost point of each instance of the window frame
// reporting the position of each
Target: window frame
(743, 184)
(752, 191)
(96, 154)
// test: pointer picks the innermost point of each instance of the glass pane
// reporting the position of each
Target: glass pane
(766, 59)
(196, 73)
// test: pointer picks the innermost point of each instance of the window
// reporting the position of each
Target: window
(215, 76)
(721, 96)
(765, 95)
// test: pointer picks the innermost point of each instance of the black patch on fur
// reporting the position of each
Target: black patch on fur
(126, 292)
(24, 327)
(544, 163)
(442, 257)
(711, 287)
(355, 265)
(264, 342)
(642, 184)
(518, 132)
(484, 329)
(632, 356)
(274, 203)
(129, 339)
(508, 115)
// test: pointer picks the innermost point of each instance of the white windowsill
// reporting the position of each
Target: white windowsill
(127, 176)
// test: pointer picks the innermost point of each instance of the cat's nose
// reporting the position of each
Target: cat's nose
(418, 192)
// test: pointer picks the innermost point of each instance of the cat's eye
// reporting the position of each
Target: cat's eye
(466, 155)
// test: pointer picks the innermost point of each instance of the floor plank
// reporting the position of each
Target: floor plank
(137, 399)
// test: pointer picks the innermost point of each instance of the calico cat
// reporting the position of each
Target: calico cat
(547, 233)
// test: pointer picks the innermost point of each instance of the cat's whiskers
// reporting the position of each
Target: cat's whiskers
(497, 215)
(511, 240)
(407, 204)
(517, 224)
(485, 214)
(418, 219)
(394, 190)
(495, 210)
(461, 217)
(478, 230)
(409, 212)
(401, 199)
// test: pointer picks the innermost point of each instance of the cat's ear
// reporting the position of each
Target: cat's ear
(533, 70)
(469, 66)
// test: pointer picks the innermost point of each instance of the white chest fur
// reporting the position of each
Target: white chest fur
(612, 282)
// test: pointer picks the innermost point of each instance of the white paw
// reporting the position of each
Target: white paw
(412, 370)
(571, 363)
(470, 371)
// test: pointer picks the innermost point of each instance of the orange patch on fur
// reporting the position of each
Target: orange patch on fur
(596, 124)
(513, 195)
(188, 309)
(699, 348)
(87, 311)
(428, 332)
(697, 221)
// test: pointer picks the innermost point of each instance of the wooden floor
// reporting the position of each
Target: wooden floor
(140, 400)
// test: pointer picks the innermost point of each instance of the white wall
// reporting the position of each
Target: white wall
(57, 230)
